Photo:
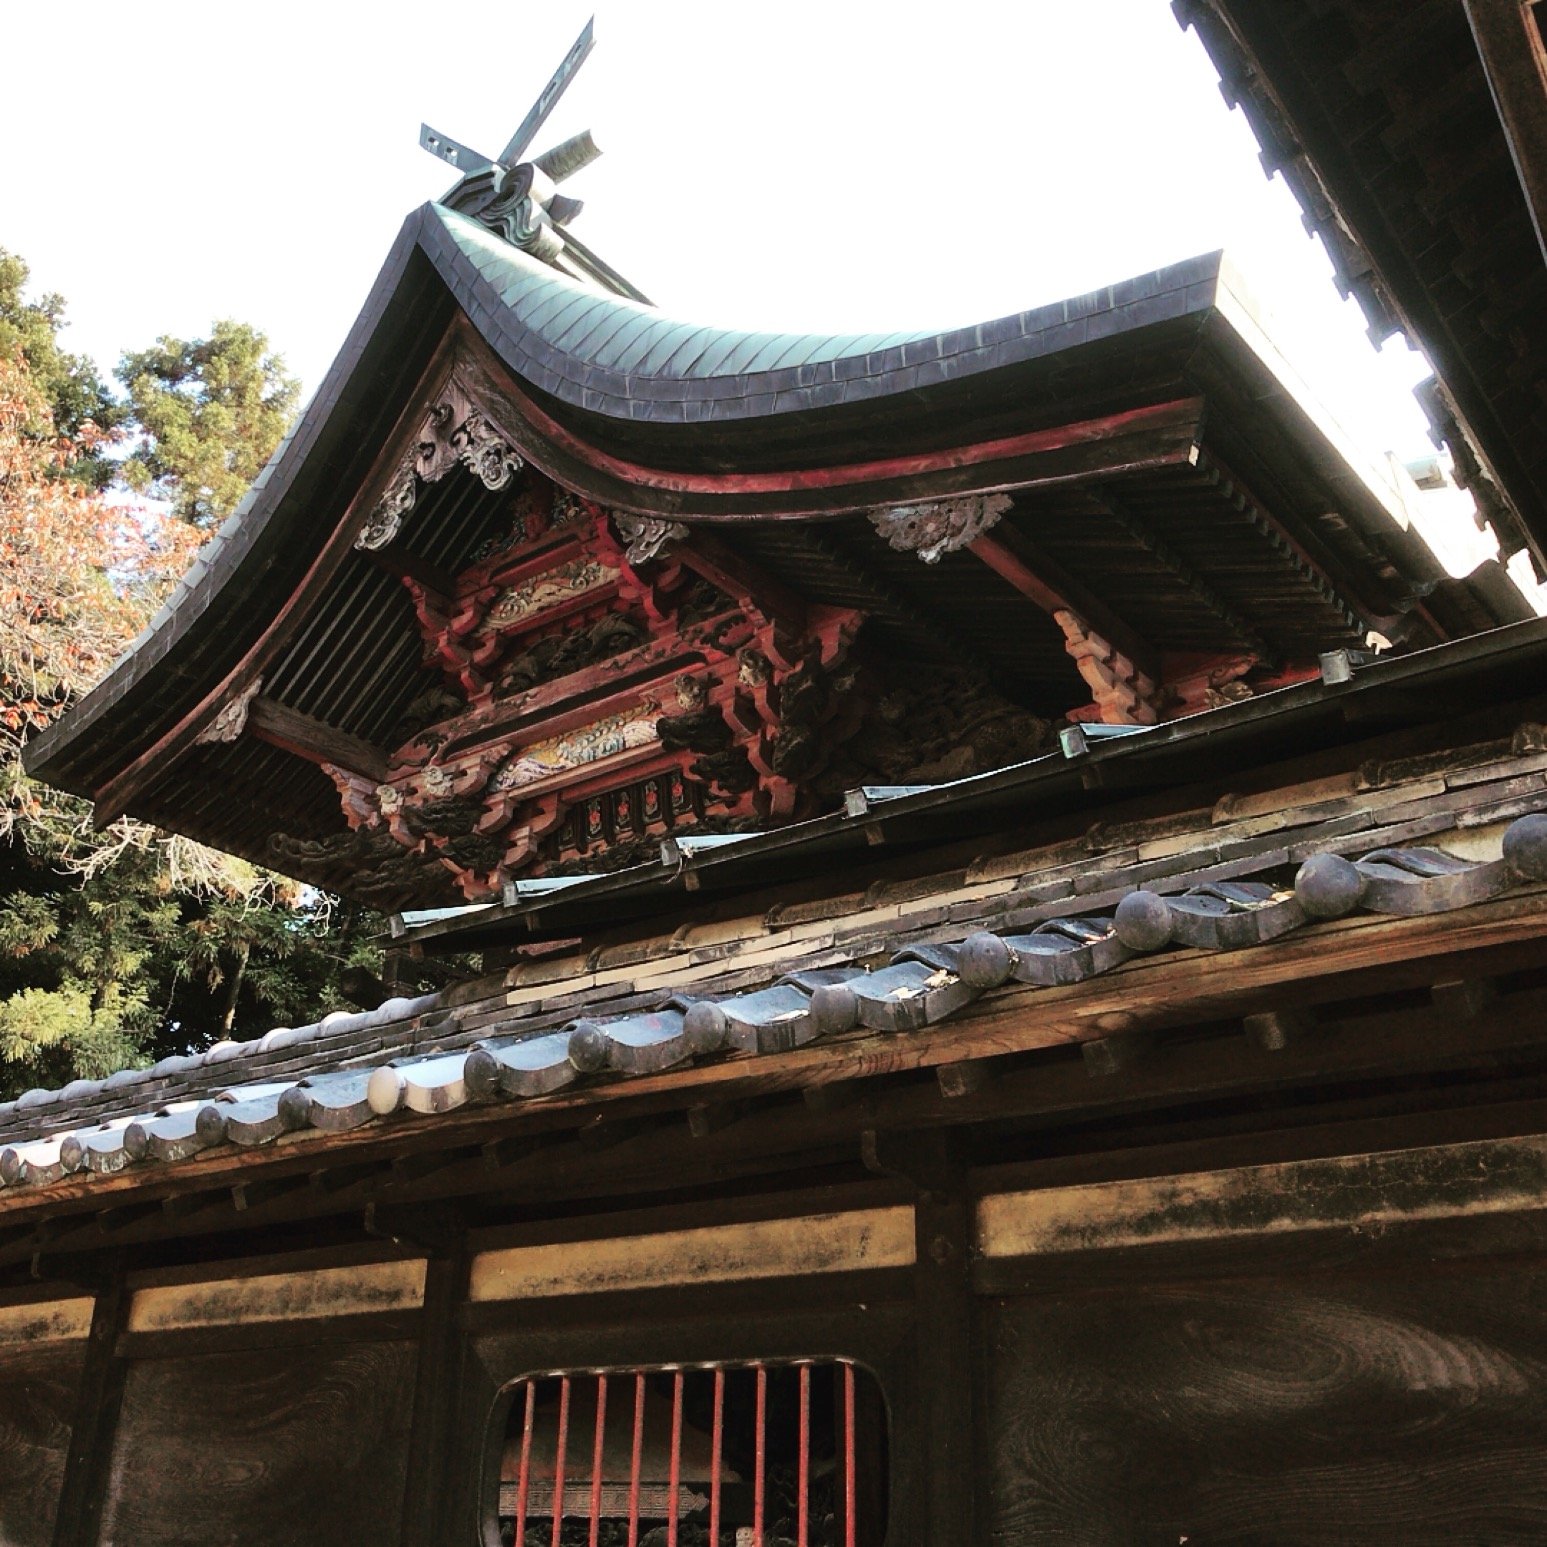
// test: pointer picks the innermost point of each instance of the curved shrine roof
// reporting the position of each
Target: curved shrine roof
(1167, 376)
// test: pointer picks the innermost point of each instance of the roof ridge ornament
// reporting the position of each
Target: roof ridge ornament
(938, 527)
(519, 201)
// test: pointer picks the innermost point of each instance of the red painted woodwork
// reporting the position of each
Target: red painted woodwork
(605, 703)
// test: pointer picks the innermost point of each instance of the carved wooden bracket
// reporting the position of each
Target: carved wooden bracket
(1123, 694)
(941, 526)
(232, 719)
(456, 431)
(596, 694)
(646, 537)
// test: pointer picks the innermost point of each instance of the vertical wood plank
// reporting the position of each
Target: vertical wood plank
(943, 1323)
(257, 1445)
(946, 1358)
(1297, 1409)
(96, 1418)
(436, 1453)
(39, 1386)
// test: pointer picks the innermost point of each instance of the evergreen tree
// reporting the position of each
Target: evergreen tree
(209, 412)
(65, 394)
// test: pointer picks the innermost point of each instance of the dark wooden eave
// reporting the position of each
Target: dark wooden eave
(1386, 123)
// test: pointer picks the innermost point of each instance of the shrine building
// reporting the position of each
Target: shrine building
(1004, 881)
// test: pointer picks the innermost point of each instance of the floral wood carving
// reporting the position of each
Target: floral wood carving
(232, 719)
(644, 537)
(455, 432)
(941, 526)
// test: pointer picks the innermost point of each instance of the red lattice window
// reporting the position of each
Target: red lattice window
(720, 1455)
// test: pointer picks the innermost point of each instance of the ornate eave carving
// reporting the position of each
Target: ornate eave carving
(941, 526)
(232, 719)
(646, 537)
(593, 700)
(457, 431)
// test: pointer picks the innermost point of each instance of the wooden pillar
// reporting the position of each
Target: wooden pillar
(78, 1523)
(432, 1453)
(946, 1350)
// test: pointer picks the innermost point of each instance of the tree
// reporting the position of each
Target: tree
(64, 392)
(124, 945)
(77, 576)
(121, 946)
(210, 412)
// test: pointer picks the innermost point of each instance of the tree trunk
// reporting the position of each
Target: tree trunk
(233, 988)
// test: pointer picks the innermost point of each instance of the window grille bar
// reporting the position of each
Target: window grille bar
(596, 1461)
(803, 1464)
(674, 1486)
(639, 1440)
(848, 1457)
(717, 1446)
(558, 1462)
(762, 1455)
(803, 1497)
(525, 1479)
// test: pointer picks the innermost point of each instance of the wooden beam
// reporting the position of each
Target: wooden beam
(436, 1399)
(776, 1248)
(1346, 1192)
(314, 740)
(1046, 584)
(96, 1417)
(944, 1315)
(1510, 40)
(398, 562)
(395, 1285)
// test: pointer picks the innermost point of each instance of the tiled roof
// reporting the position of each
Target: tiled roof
(1427, 835)
(607, 354)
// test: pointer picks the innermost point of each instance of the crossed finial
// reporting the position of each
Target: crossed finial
(520, 200)
(469, 163)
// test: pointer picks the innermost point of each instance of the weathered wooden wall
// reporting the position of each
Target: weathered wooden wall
(305, 1444)
(1347, 1349)
(38, 1386)
(1407, 1408)
(1322, 1349)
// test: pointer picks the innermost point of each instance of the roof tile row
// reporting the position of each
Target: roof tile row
(922, 983)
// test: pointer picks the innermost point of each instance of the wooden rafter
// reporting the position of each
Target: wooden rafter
(1510, 39)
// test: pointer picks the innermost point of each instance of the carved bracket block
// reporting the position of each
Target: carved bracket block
(607, 681)
(1123, 694)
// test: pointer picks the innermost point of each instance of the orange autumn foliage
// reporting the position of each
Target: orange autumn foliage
(79, 573)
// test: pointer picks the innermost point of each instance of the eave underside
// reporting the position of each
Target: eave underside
(1380, 118)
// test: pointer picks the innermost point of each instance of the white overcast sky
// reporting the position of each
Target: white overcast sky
(829, 166)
